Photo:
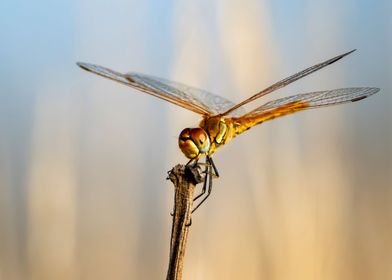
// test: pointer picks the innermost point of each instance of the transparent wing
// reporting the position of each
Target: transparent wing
(196, 100)
(291, 104)
(288, 81)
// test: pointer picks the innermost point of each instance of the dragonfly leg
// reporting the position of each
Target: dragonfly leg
(203, 191)
(194, 162)
(209, 178)
(216, 173)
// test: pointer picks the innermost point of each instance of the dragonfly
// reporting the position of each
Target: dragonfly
(223, 120)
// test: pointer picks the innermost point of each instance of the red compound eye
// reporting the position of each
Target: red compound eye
(185, 134)
(193, 142)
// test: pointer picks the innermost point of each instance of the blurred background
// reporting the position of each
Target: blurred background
(83, 160)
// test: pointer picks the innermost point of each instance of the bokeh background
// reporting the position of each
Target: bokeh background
(83, 160)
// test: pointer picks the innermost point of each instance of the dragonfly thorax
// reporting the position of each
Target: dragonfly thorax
(194, 142)
(219, 129)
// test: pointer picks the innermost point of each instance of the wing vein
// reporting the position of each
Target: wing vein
(288, 81)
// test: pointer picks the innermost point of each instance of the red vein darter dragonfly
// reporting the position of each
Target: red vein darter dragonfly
(222, 120)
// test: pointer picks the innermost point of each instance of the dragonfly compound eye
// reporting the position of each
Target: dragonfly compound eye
(193, 142)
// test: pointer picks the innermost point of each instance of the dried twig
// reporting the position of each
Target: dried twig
(184, 179)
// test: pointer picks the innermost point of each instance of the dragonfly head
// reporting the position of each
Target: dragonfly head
(194, 142)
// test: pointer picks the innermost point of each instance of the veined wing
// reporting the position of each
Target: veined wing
(295, 103)
(196, 100)
(288, 81)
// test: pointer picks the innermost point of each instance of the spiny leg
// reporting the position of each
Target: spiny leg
(189, 162)
(208, 193)
(206, 171)
(209, 178)
(216, 173)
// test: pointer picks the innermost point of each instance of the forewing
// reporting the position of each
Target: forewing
(291, 104)
(196, 100)
(212, 103)
(288, 81)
